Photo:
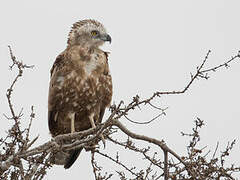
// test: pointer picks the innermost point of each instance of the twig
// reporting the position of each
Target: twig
(215, 151)
(165, 165)
(118, 162)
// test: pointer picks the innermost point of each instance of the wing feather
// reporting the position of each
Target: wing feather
(53, 97)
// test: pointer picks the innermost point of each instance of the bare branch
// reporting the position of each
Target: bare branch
(19, 159)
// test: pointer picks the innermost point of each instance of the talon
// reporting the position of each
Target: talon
(90, 148)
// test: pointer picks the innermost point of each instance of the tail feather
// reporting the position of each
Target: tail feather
(72, 158)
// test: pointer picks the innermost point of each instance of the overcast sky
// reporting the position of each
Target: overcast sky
(155, 46)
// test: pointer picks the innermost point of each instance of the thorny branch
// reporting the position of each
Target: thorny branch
(20, 66)
(19, 160)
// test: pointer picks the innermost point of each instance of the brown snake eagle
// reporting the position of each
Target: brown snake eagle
(81, 85)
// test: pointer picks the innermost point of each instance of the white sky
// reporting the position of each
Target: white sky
(156, 44)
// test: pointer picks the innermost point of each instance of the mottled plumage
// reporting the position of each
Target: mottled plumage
(80, 87)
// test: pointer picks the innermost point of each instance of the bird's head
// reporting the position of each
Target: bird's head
(88, 33)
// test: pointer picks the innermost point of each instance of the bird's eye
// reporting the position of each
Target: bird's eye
(94, 33)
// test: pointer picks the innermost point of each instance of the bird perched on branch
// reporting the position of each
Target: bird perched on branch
(81, 86)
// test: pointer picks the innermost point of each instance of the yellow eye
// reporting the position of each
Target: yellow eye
(94, 33)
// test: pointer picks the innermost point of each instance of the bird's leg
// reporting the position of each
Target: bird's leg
(92, 120)
(72, 126)
(72, 117)
(91, 117)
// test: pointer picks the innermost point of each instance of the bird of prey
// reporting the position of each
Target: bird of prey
(81, 85)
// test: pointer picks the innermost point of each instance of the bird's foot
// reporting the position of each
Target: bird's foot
(91, 147)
